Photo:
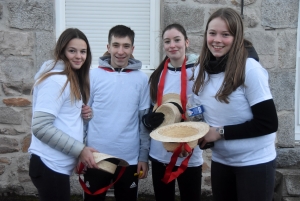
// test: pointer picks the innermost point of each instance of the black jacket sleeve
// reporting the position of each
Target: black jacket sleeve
(264, 122)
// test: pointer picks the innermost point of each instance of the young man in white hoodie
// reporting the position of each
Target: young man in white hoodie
(119, 98)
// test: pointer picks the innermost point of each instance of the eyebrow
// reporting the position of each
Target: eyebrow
(116, 43)
(173, 37)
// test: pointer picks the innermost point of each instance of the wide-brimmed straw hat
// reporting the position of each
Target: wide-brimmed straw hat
(102, 160)
(171, 107)
(174, 134)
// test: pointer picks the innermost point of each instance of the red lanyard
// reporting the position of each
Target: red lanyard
(183, 86)
(101, 190)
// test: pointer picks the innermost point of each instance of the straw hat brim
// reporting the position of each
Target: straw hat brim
(106, 165)
(180, 132)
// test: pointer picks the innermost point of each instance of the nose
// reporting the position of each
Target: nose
(78, 54)
(120, 50)
(217, 38)
(172, 44)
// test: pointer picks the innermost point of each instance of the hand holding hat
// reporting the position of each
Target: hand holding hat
(153, 119)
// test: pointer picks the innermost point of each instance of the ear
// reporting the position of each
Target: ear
(108, 48)
(187, 43)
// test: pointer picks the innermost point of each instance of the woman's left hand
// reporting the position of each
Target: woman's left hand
(86, 112)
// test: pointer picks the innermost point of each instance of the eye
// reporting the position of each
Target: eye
(83, 52)
(166, 41)
(212, 33)
(71, 51)
(126, 46)
(226, 34)
(177, 40)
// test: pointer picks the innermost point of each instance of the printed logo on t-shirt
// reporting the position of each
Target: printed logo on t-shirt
(133, 185)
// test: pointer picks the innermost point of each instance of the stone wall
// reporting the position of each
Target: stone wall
(27, 39)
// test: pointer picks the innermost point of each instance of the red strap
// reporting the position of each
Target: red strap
(169, 175)
(161, 85)
(101, 190)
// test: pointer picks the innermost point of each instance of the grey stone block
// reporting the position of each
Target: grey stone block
(196, 42)
(280, 13)
(282, 85)
(190, 17)
(287, 49)
(290, 185)
(31, 14)
(264, 42)
(246, 2)
(211, 1)
(10, 116)
(268, 61)
(18, 73)
(45, 44)
(16, 43)
(288, 157)
(286, 130)
(1, 11)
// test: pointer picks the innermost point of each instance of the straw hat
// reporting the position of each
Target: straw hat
(107, 166)
(172, 135)
(169, 109)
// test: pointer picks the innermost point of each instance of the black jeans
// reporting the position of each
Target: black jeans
(125, 189)
(189, 183)
(248, 183)
(51, 185)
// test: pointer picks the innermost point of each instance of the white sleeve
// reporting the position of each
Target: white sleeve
(256, 83)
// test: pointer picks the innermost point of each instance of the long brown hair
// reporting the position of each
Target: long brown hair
(155, 76)
(236, 57)
(79, 79)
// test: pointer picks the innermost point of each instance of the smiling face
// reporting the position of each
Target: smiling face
(174, 46)
(120, 50)
(76, 52)
(219, 39)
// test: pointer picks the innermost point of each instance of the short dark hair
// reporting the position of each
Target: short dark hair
(121, 31)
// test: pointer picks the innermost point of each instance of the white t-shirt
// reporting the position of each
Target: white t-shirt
(157, 151)
(47, 97)
(116, 98)
(240, 152)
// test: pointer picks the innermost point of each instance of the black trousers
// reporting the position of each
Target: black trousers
(51, 185)
(125, 189)
(249, 183)
(189, 183)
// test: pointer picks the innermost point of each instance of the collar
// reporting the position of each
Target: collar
(179, 68)
(109, 69)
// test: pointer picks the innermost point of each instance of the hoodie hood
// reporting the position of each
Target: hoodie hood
(133, 64)
(48, 66)
(191, 59)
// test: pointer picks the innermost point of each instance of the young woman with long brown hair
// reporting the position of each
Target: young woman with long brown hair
(238, 104)
(62, 87)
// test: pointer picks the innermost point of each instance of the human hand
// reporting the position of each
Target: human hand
(87, 158)
(86, 112)
(142, 167)
(153, 120)
(210, 137)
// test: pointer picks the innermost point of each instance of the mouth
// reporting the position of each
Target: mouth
(217, 47)
(77, 62)
(173, 51)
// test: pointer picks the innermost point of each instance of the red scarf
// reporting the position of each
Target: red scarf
(183, 86)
